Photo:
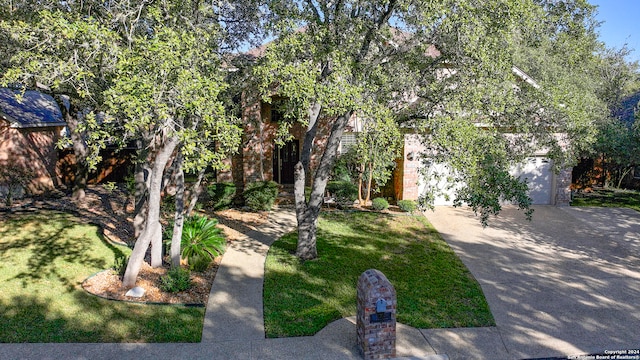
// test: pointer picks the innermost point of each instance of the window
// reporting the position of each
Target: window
(347, 141)
(276, 115)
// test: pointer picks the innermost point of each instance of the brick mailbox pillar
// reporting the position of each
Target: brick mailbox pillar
(376, 316)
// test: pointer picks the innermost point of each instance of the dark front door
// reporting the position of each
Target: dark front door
(285, 158)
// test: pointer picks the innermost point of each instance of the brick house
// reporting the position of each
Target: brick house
(29, 130)
(261, 159)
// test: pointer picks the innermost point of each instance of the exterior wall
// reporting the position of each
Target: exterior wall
(406, 174)
(563, 187)
(254, 160)
(33, 150)
(258, 136)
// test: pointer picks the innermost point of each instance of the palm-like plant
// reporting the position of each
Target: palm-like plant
(201, 239)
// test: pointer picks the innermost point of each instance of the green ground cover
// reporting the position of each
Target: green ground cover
(434, 288)
(44, 257)
(608, 198)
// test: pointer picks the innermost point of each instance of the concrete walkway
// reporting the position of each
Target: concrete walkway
(234, 309)
(234, 324)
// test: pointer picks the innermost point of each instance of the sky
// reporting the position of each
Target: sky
(620, 24)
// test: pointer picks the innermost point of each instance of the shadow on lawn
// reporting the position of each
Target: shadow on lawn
(608, 198)
(434, 288)
(32, 319)
(108, 209)
(52, 240)
(50, 254)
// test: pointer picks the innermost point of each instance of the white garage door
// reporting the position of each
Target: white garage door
(539, 176)
(536, 170)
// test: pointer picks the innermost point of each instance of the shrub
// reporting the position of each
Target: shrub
(221, 195)
(130, 184)
(344, 191)
(13, 181)
(120, 265)
(177, 279)
(260, 195)
(110, 187)
(380, 204)
(407, 205)
(201, 239)
(199, 263)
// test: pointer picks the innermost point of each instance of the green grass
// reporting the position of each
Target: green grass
(608, 198)
(43, 260)
(434, 288)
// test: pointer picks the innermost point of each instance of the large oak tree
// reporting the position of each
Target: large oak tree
(446, 66)
(153, 70)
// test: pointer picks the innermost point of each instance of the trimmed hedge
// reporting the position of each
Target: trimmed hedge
(380, 204)
(260, 195)
(407, 205)
(344, 191)
(221, 195)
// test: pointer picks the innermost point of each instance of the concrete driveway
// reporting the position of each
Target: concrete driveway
(566, 283)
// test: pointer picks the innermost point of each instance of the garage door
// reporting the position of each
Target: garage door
(539, 176)
(535, 170)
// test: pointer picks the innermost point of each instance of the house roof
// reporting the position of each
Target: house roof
(35, 109)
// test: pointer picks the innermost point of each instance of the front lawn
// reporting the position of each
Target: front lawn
(434, 288)
(608, 198)
(44, 257)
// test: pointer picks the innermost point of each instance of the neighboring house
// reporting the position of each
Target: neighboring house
(29, 130)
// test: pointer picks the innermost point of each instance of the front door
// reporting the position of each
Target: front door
(285, 158)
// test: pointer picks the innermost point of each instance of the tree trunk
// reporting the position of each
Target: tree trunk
(623, 175)
(306, 249)
(369, 182)
(143, 168)
(179, 217)
(195, 192)
(80, 149)
(307, 212)
(360, 199)
(603, 173)
(152, 228)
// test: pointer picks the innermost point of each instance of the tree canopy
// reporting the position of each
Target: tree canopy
(447, 68)
(154, 73)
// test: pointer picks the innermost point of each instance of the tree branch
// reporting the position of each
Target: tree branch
(314, 9)
(383, 19)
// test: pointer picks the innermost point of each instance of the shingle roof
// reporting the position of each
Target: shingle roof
(34, 110)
